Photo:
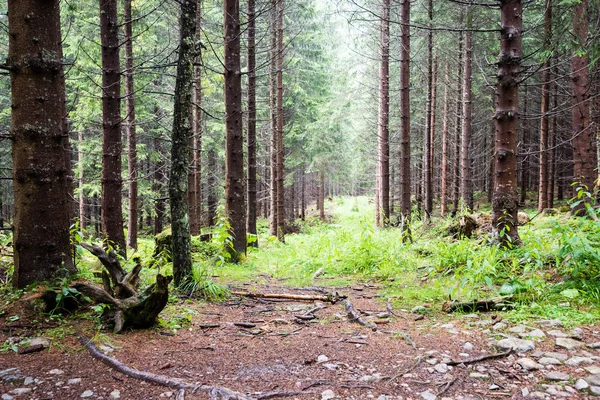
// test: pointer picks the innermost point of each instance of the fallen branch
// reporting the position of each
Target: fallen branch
(330, 298)
(481, 358)
(353, 316)
(446, 386)
(389, 309)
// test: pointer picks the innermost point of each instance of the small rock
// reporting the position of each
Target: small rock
(74, 381)
(328, 394)
(568, 343)
(577, 333)
(549, 361)
(552, 390)
(56, 372)
(431, 361)
(538, 395)
(593, 380)
(493, 387)
(428, 395)
(525, 392)
(592, 369)
(20, 391)
(558, 356)
(519, 345)
(528, 364)
(447, 326)
(106, 349)
(557, 376)
(595, 390)
(576, 361)
(419, 310)
(518, 329)
(370, 378)
(9, 371)
(581, 384)
(330, 366)
(536, 334)
(166, 394)
(6, 396)
(468, 346)
(39, 341)
(441, 368)
(322, 358)
(115, 394)
(498, 326)
(478, 375)
(557, 333)
(464, 355)
(29, 381)
(594, 345)
(549, 323)
(87, 393)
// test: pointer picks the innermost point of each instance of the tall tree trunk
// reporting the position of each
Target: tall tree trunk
(211, 182)
(157, 183)
(251, 128)
(112, 214)
(303, 194)
(427, 167)
(458, 126)
(41, 166)
(505, 204)
(321, 196)
(543, 186)
(132, 168)
(180, 149)
(235, 199)
(82, 220)
(552, 141)
(584, 142)
(384, 112)
(280, 176)
(465, 162)
(444, 188)
(524, 158)
(432, 127)
(405, 206)
(273, 117)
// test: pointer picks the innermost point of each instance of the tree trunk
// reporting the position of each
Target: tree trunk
(82, 220)
(458, 127)
(524, 159)
(552, 142)
(235, 202)
(384, 118)
(543, 186)
(212, 184)
(157, 182)
(132, 167)
(444, 188)
(427, 167)
(505, 204)
(303, 194)
(251, 128)
(466, 194)
(584, 142)
(405, 206)
(280, 176)
(321, 196)
(180, 150)
(273, 117)
(112, 214)
(432, 128)
(41, 166)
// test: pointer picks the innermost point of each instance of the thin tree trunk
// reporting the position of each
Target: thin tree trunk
(211, 182)
(505, 204)
(524, 157)
(273, 117)
(552, 142)
(235, 202)
(584, 142)
(444, 188)
(405, 206)
(543, 186)
(280, 176)
(41, 166)
(132, 168)
(432, 128)
(427, 167)
(465, 163)
(384, 111)
(82, 220)
(158, 179)
(251, 128)
(303, 201)
(458, 127)
(180, 150)
(321, 196)
(112, 214)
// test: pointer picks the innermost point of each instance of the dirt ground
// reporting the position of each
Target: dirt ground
(327, 357)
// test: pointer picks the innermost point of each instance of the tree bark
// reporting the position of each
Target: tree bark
(466, 194)
(212, 184)
(132, 167)
(273, 117)
(584, 142)
(405, 206)
(457, 126)
(251, 127)
(157, 183)
(180, 150)
(82, 220)
(321, 196)
(384, 118)
(427, 167)
(41, 166)
(112, 214)
(505, 203)
(544, 108)
(552, 142)
(445, 129)
(280, 176)
(235, 202)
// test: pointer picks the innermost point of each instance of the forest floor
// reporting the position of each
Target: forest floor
(271, 348)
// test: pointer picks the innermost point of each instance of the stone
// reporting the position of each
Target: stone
(538, 395)
(468, 346)
(519, 345)
(428, 395)
(499, 326)
(330, 366)
(322, 358)
(9, 371)
(7, 396)
(518, 329)
(115, 394)
(535, 334)
(549, 323)
(87, 393)
(106, 349)
(552, 390)
(74, 381)
(431, 361)
(592, 369)
(558, 356)
(39, 341)
(557, 333)
(594, 345)
(528, 364)
(593, 380)
(441, 368)
(549, 361)
(447, 326)
(568, 343)
(577, 333)
(557, 376)
(20, 391)
(525, 392)
(595, 390)
(576, 361)
(581, 384)
(419, 310)
(370, 378)
(29, 381)
(327, 394)
(478, 375)
(56, 372)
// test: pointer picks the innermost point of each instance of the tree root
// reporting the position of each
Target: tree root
(481, 358)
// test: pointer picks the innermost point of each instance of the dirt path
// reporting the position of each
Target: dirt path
(327, 357)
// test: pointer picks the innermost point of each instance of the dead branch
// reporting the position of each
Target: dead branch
(481, 358)
(330, 298)
(353, 316)
(447, 386)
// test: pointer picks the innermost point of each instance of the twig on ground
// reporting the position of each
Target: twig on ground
(389, 308)
(330, 298)
(481, 358)
(353, 316)
(447, 386)
(412, 368)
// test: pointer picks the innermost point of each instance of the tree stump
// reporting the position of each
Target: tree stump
(129, 308)
(462, 227)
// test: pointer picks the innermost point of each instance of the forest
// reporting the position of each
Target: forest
(307, 199)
